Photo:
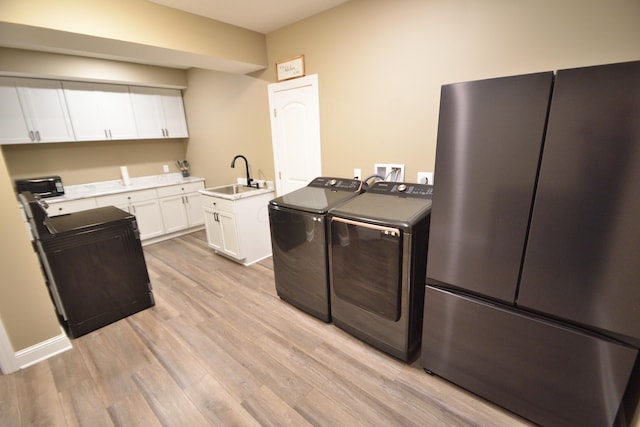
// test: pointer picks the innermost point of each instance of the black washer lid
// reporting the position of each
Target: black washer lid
(319, 195)
(388, 203)
(83, 220)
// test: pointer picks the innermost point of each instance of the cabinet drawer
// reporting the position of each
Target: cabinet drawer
(126, 198)
(218, 204)
(176, 190)
(71, 206)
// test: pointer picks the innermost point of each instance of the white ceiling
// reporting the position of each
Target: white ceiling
(262, 16)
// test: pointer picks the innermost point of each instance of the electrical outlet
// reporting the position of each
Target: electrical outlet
(425, 178)
(357, 173)
(165, 168)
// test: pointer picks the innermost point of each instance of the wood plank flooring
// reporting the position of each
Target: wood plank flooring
(221, 349)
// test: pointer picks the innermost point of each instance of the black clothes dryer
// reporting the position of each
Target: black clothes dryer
(377, 263)
(299, 242)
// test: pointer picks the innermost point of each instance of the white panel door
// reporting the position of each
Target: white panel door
(295, 132)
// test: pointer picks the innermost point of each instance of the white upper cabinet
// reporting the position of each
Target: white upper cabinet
(100, 111)
(159, 113)
(33, 110)
(39, 110)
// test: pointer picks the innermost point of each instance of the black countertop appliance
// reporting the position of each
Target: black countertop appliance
(93, 263)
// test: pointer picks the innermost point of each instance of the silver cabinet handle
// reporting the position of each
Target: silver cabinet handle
(37, 135)
(32, 136)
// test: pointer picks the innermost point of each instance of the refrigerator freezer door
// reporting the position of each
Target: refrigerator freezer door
(490, 135)
(550, 374)
(582, 262)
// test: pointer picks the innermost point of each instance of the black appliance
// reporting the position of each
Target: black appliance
(299, 242)
(532, 277)
(46, 186)
(94, 265)
(377, 259)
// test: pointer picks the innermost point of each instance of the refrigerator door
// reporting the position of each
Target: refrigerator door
(550, 374)
(582, 262)
(490, 136)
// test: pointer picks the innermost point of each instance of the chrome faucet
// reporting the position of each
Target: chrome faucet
(246, 162)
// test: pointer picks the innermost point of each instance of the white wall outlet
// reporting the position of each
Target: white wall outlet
(357, 173)
(165, 168)
(425, 178)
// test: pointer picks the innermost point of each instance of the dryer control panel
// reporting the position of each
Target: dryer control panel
(408, 189)
(336, 184)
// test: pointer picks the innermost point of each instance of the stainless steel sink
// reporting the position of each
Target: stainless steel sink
(231, 190)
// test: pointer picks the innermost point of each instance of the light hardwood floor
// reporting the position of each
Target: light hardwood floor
(221, 349)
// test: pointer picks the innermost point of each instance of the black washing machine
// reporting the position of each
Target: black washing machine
(377, 264)
(299, 242)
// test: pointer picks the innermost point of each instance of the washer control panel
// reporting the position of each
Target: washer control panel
(402, 189)
(343, 184)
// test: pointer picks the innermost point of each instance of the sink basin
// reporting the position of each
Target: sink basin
(235, 191)
(231, 189)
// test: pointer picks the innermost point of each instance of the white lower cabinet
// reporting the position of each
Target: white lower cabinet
(181, 206)
(238, 228)
(221, 230)
(144, 205)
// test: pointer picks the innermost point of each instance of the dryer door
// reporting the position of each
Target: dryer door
(366, 266)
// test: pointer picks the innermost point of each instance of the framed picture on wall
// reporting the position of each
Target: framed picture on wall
(290, 68)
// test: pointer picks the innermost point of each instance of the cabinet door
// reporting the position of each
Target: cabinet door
(149, 217)
(230, 244)
(212, 227)
(13, 126)
(148, 112)
(173, 109)
(33, 110)
(100, 111)
(194, 205)
(159, 112)
(84, 109)
(46, 110)
(117, 111)
(174, 213)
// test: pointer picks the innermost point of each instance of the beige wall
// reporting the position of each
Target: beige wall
(24, 302)
(381, 63)
(228, 115)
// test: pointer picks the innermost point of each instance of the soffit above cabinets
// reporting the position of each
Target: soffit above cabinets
(256, 15)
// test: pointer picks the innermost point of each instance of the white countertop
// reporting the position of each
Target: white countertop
(102, 188)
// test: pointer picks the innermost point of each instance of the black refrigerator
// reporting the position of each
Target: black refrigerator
(533, 297)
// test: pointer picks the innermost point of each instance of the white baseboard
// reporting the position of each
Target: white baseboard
(43, 350)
